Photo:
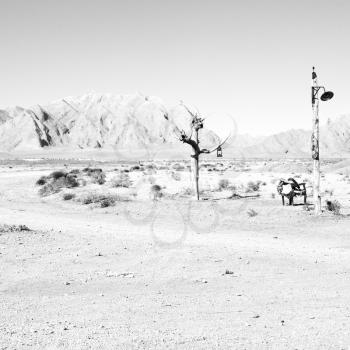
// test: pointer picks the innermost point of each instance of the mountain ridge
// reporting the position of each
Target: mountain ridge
(137, 122)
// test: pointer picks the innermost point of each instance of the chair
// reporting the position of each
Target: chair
(294, 189)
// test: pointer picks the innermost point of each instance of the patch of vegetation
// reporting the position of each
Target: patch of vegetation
(121, 180)
(223, 184)
(176, 176)
(96, 174)
(253, 186)
(156, 192)
(251, 213)
(13, 228)
(57, 174)
(178, 167)
(42, 181)
(188, 191)
(55, 182)
(68, 196)
(333, 206)
(104, 200)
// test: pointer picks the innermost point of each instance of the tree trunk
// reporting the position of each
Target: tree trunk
(196, 175)
(196, 167)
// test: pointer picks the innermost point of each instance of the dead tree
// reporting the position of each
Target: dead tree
(197, 123)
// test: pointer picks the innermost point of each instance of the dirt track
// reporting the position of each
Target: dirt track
(87, 279)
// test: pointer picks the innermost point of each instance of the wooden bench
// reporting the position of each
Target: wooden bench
(295, 189)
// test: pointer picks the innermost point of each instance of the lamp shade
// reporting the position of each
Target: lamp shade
(327, 95)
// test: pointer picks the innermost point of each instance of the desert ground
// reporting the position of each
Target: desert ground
(124, 258)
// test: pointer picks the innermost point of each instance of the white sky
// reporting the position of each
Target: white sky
(251, 59)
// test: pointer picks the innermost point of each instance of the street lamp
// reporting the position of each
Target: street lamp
(315, 148)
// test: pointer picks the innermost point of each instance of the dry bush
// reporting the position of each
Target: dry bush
(57, 174)
(57, 181)
(96, 175)
(223, 184)
(135, 168)
(333, 206)
(104, 200)
(176, 176)
(68, 196)
(251, 213)
(253, 186)
(121, 180)
(151, 167)
(42, 181)
(13, 228)
(156, 192)
(187, 191)
(178, 167)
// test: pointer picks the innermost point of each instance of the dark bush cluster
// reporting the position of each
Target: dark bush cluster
(333, 206)
(56, 181)
(104, 200)
(96, 174)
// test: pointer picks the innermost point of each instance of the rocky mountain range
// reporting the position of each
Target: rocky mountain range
(127, 123)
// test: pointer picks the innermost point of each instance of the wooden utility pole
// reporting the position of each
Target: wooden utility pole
(315, 144)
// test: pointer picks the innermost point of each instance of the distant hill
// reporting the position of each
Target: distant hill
(334, 142)
(140, 125)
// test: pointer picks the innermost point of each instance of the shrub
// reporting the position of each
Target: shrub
(98, 177)
(156, 188)
(223, 184)
(68, 196)
(107, 202)
(42, 181)
(47, 189)
(122, 180)
(57, 174)
(176, 176)
(253, 186)
(156, 192)
(251, 213)
(178, 167)
(55, 182)
(104, 200)
(96, 174)
(333, 206)
(70, 181)
(188, 191)
(13, 228)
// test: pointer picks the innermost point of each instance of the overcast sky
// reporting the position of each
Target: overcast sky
(251, 59)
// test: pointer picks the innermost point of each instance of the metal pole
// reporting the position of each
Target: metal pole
(315, 145)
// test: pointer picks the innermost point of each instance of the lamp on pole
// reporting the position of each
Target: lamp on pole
(315, 146)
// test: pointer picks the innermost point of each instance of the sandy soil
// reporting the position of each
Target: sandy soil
(171, 274)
